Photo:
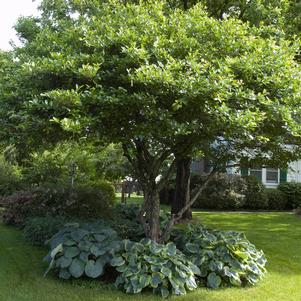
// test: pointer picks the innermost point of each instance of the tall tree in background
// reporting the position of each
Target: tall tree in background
(161, 81)
(276, 18)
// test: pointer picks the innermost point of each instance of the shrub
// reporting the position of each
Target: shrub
(19, 206)
(10, 178)
(223, 192)
(82, 201)
(126, 222)
(150, 265)
(39, 229)
(255, 196)
(83, 250)
(224, 258)
(89, 202)
(276, 199)
(107, 189)
(292, 192)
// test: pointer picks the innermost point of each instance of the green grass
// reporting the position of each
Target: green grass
(278, 234)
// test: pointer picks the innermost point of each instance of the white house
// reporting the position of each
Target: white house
(269, 177)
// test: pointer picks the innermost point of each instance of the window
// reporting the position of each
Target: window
(272, 175)
(256, 172)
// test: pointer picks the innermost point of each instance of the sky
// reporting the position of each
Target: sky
(10, 11)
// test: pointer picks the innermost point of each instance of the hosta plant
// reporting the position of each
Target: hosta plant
(82, 250)
(163, 268)
(224, 258)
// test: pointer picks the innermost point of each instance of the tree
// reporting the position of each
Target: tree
(163, 82)
(277, 18)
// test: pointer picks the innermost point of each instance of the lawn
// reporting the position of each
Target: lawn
(278, 234)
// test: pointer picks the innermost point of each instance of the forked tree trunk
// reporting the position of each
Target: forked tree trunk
(182, 189)
(151, 218)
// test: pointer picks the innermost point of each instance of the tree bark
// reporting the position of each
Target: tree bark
(151, 212)
(182, 189)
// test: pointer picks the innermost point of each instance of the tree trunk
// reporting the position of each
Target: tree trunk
(182, 189)
(151, 213)
(123, 199)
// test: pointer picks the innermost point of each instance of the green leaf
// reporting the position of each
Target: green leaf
(241, 254)
(58, 249)
(97, 251)
(192, 248)
(79, 234)
(166, 271)
(99, 237)
(84, 256)
(94, 269)
(64, 274)
(164, 292)
(213, 280)
(63, 262)
(156, 279)
(117, 261)
(191, 283)
(77, 268)
(171, 249)
(71, 252)
(69, 242)
(121, 268)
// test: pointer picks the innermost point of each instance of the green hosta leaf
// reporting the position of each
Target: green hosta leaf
(63, 262)
(97, 251)
(119, 280)
(77, 268)
(122, 268)
(94, 269)
(99, 237)
(195, 269)
(192, 248)
(64, 274)
(164, 292)
(71, 252)
(213, 280)
(84, 256)
(156, 279)
(181, 273)
(146, 242)
(58, 249)
(254, 269)
(215, 266)
(145, 280)
(50, 267)
(149, 259)
(155, 248)
(166, 271)
(78, 234)
(69, 242)
(252, 278)
(180, 290)
(241, 254)
(117, 261)
(191, 283)
(138, 247)
(155, 268)
(174, 282)
(85, 246)
(171, 249)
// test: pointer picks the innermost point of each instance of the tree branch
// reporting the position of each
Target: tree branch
(176, 217)
(162, 183)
